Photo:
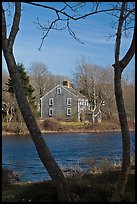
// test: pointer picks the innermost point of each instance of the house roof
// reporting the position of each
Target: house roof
(75, 92)
(70, 89)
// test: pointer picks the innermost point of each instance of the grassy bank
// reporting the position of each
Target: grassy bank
(90, 187)
(55, 126)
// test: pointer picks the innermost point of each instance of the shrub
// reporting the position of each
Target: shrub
(52, 125)
(38, 192)
(6, 178)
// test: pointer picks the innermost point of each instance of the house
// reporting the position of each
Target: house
(63, 102)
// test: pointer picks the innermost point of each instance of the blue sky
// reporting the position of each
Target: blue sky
(60, 52)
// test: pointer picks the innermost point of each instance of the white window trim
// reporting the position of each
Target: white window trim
(86, 102)
(50, 109)
(51, 101)
(59, 90)
(69, 101)
(68, 109)
(81, 102)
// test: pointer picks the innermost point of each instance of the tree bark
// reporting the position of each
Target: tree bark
(118, 69)
(122, 180)
(41, 147)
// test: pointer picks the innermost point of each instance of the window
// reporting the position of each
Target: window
(86, 103)
(81, 103)
(58, 90)
(51, 101)
(68, 101)
(51, 112)
(68, 111)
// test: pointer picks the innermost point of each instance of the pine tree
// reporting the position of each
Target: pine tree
(26, 85)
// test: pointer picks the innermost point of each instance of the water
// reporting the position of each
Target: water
(19, 153)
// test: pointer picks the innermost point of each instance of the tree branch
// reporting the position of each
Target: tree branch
(128, 56)
(4, 30)
(72, 33)
(70, 16)
(15, 25)
(118, 36)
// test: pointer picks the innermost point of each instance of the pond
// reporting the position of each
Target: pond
(69, 150)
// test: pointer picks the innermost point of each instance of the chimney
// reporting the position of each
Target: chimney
(67, 83)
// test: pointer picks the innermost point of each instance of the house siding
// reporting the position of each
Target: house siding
(60, 104)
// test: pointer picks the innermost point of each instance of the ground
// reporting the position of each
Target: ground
(61, 126)
(52, 125)
(89, 187)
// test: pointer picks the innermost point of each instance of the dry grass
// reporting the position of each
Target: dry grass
(89, 187)
(53, 125)
(71, 126)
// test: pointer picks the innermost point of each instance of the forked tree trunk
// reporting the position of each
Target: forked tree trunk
(41, 147)
(119, 66)
(43, 151)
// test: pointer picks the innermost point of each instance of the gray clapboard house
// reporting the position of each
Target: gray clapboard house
(63, 102)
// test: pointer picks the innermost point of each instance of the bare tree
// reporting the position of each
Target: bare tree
(95, 83)
(40, 78)
(4, 88)
(128, 87)
(119, 66)
(124, 13)
(57, 79)
(42, 149)
(106, 87)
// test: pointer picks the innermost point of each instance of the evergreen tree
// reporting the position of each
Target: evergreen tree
(26, 85)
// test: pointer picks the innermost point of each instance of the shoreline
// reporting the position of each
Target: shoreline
(5, 133)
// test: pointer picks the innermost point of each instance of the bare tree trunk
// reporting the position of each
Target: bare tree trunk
(93, 117)
(41, 147)
(118, 69)
(122, 180)
(94, 106)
